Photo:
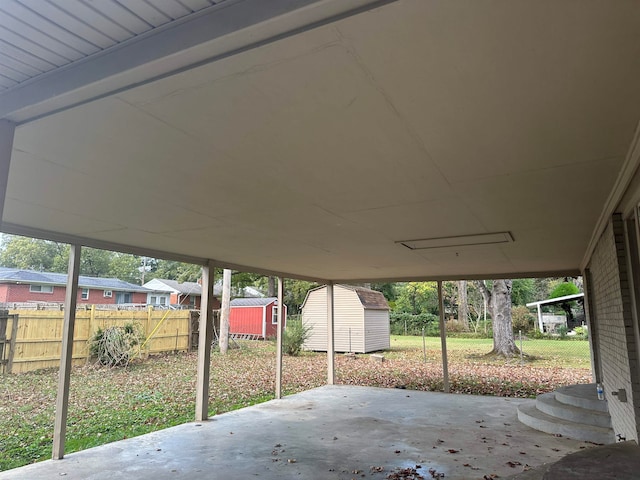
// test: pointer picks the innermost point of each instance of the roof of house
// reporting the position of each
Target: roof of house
(253, 302)
(186, 288)
(16, 275)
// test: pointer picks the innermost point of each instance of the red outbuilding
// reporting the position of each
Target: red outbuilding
(255, 316)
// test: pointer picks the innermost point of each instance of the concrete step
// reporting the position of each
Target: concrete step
(547, 403)
(534, 418)
(583, 396)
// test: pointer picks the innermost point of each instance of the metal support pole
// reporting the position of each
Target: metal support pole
(331, 367)
(62, 399)
(205, 336)
(540, 324)
(279, 329)
(424, 346)
(443, 339)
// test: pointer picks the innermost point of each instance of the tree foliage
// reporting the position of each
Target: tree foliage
(563, 289)
(417, 297)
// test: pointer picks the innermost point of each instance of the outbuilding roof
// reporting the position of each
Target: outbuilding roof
(253, 302)
(15, 275)
(370, 299)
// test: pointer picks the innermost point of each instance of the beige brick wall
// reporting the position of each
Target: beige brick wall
(611, 301)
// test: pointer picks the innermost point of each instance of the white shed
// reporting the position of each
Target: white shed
(361, 319)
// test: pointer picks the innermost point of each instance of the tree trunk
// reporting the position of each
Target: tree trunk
(499, 300)
(224, 312)
(271, 287)
(463, 304)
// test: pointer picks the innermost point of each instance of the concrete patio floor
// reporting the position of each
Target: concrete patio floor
(331, 432)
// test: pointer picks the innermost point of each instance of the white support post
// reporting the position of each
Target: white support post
(540, 324)
(331, 354)
(62, 400)
(7, 130)
(205, 336)
(279, 337)
(443, 339)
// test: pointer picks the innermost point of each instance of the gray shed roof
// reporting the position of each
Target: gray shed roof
(253, 302)
(15, 275)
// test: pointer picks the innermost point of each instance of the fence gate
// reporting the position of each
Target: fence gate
(7, 345)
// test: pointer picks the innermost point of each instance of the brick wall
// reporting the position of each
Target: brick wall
(611, 301)
(21, 293)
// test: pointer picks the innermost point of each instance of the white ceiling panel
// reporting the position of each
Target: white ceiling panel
(315, 154)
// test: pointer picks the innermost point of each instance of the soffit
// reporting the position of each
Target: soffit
(39, 36)
(313, 155)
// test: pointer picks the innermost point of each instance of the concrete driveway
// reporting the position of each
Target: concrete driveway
(331, 432)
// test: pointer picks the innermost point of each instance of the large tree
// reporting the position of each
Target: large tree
(499, 301)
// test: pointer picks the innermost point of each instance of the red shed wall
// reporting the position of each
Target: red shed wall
(246, 320)
(272, 328)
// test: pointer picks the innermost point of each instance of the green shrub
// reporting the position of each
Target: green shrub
(522, 319)
(455, 326)
(407, 324)
(294, 336)
(115, 346)
(581, 332)
(562, 331)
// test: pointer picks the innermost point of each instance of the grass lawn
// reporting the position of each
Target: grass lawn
(538, 352)
(108, 405)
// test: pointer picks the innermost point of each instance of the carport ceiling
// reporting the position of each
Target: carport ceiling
(314, 154)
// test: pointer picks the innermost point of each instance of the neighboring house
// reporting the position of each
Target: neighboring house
(173, 293)
(361, 319)
(255, 316)
(18, 286)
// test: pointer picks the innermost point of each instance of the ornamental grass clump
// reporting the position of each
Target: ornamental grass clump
(294, 336)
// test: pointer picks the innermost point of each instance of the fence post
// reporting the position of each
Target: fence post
(521, 351)
(147, 328)
(12, 342)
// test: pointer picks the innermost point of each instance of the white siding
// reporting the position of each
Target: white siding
(376, 330)
(314, 315)
(349, 317)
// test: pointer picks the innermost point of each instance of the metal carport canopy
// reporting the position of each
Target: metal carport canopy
(309, 138)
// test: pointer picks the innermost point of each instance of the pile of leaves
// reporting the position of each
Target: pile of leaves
(112, 404)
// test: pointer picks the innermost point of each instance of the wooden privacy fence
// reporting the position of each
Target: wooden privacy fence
(38, 340)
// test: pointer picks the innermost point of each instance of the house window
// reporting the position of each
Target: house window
(85, 294)
(41, 288)
(153, 300)
(192, 301)
(124, 297)
(162, 300)
(274, 315)
(107, 294)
